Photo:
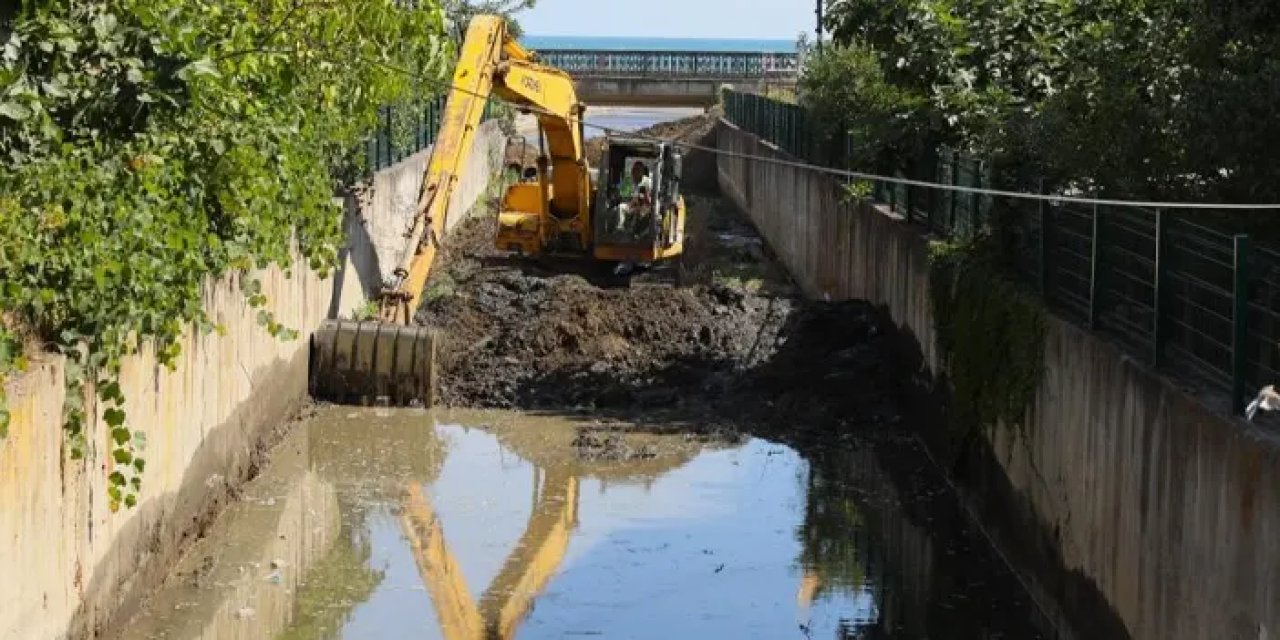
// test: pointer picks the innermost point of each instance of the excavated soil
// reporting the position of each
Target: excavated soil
(691, 128)
(721, 335)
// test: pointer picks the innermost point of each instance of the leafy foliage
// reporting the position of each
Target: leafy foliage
(460, 13)
(848, 92)
(994, 375)
(148, 145)
(11, 361)
(1164, 99)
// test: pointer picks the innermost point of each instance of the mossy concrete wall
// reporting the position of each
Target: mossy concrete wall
(71, 567)
(1130, 507)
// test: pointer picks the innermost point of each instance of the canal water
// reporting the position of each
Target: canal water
(376, 523)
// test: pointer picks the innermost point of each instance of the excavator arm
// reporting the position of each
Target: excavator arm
(490, 62)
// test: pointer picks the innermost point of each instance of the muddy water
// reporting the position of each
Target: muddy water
(373, 523)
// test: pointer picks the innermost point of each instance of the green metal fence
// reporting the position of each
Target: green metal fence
(385, 148)
(1177, 293)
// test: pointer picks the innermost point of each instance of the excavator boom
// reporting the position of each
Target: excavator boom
(463, 111)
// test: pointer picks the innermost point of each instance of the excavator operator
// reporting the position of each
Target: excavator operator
(639, 179)
(636, 193)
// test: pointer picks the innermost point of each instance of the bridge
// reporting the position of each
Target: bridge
(671, 78)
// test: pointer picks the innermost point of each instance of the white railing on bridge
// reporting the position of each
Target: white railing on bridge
(678, 64)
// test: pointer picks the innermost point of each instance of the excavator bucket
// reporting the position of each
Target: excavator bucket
(373, 363)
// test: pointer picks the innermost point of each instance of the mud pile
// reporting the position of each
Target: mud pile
(719, 335)
(523, 335)
(688, 129)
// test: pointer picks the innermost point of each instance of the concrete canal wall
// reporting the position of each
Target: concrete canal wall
(71, 567)
(376, 220)
(1130, 507)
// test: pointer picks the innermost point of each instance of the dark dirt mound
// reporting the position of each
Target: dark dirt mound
(527, 335)
(691, 128)
(717, 336)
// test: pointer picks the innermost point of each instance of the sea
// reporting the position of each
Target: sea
(604, 43)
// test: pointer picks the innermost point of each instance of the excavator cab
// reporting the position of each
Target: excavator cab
(638, 210)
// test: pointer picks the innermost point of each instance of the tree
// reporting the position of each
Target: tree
(848, 93)
(460, 13)
(1162, 99)
(147, 146)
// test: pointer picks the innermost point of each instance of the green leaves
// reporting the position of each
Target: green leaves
(11, 362)
(994, 377)
(1139, 99)
(15, 111)
(199, 68)
(148, 146)
(114, 418)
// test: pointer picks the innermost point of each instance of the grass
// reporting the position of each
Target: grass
(443, 287)
(366, 311)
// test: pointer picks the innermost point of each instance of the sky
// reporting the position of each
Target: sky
(755, 19)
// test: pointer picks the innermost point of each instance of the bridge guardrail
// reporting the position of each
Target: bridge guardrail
(677, 64)
(1177, 292)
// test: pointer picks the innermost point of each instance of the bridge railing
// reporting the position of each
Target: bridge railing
(1167, 284)
(678, 64)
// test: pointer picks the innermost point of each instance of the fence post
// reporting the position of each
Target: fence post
(377, 144)
(955, 195)
(890, 190)
(907, 193)
(935, 193)
(431, 123)
(1094, 272)
(975, 217)
(391, 147)
(1045, 222)
(848, 156)
(1157, 302)
(1240, 323)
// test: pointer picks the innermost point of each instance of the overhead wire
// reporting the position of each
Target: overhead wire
(858, 175)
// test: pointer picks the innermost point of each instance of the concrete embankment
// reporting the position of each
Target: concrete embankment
(1131, 508)
(71, 566)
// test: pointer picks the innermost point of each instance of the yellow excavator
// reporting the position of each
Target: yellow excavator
(629, 212)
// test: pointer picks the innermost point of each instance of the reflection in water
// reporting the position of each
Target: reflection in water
(417, 527)
(880, 523)
(241, 579)
(337, 583)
